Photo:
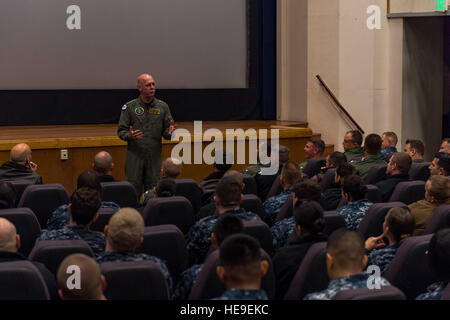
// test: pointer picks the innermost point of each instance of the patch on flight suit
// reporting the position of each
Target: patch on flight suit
(154, 111)
(139, 111)
(124, 107)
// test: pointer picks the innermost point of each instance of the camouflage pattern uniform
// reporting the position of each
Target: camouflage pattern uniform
(281, 231)
(241, 294)
(273, 205)
(382, 257)
(186, 282)
(354, 212)
(434, 291)
(95, 239)
(354, 281)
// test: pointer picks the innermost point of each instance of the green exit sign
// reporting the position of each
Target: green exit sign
(441, 5)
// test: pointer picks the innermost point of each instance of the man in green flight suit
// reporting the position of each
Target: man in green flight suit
(142, 123)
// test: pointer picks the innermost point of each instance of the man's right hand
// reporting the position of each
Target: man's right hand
(135, 134)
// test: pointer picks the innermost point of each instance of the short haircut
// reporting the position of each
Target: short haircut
(284, 154)
(291, 173)
(308, 190)
(309, 215)
(84, 206)
(345, 170)
(443, 161)
(8, 195)
(240, 255)
(226, 225)
(8, 234)
(223, 160)
(90, 284)
(20, 152)
(401, 223)
(416, 145)
(103, 162)
(346, 247)
(403, 162)
(125, 229)
(166, 188)
(354, 186)
(391, 136)
(356, 136)
(337, 158)
(89, 179)
(238, 176)
(229, 192)
(372, 144)
(318, 143)
(440, 188)
(172, 167)
(438, 254)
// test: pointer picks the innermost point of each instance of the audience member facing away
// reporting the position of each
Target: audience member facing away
(437, 193)
(165, 188)
(226, 225)
(331, 197)
(20, 166)
(372, 148)
(61, 216)
(7, 195)
(124, 234)
(241, 268)
(313, 149)
(398, 224)
(92, 282)
(83, 212)
(388, 146)
(282, 230)
(355, 192)
(333, 160)
(227, 199)
(415, 149)
(171, 168)
(352, 145)
(309, 226)
(439, 261)
(397, 170)
(103, 166)
(9, 246)
(445, 146)
(346, 261)
(440, 164)
(290, 175)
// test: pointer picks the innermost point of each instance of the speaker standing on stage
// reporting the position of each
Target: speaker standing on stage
(142, 123)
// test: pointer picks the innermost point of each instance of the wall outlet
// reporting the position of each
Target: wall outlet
(64, 154)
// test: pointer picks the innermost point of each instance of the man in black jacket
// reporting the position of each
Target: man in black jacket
(20, 166)
(397, 171)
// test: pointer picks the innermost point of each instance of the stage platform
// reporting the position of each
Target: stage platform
(84, 141)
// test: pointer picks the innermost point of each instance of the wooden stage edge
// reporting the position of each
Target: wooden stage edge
(84, 141)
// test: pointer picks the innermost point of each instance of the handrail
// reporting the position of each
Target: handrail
(339, 104)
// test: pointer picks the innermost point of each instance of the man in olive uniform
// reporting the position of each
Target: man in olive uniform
(142, 123)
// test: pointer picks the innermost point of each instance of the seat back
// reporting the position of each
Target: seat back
(313, 166)
(287, 209)
(408, 192)
(21, 280)
(52, 252)
(43, 199)
(208, 286)
(420, 171)
(252, 203)
(250, 185)
(327, 179)
(312, 274)
(333, 221)
(409, 270)
(259, 230)
(189, 189)
(142, 280)
(167, 243)
(27, 226)
(446, 293)
(372, 223)
(373, 193)
(121, 192)
(104, 214)
(276, 188)
(383, 293)
(20, 186)
(375, 174)
(439, 220)
(171, 210)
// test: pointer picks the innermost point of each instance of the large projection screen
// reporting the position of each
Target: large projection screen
(184, 44)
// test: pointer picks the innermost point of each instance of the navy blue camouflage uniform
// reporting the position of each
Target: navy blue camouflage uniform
(273, 205)
(241, 294)
(434, 291)
(186, 282)
(281, 231)
(354, 212)
(382, 257)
